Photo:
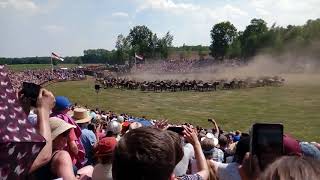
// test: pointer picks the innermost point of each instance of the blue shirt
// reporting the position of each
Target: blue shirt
(88, 139)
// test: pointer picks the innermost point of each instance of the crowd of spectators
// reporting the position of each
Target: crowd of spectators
(181, 66)
(83, 143)
(43, 76)
(97, 144)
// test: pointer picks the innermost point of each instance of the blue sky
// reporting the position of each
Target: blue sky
(37, 27)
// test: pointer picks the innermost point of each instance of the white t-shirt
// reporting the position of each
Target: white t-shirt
(102, 172)
(224, 171)
(228, 171)
(182, 167)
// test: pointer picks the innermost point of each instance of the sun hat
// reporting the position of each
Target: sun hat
(114, 127)
(58, 126)
(106, 146)
(211, 137)
(81, 115)
(62, 103)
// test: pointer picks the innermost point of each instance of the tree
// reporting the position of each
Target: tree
(140, 38)
(252, 36)
(222, 35)
(122, 49)
(234, 50)
(164, 44)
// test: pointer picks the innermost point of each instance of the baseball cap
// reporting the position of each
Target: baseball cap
(62, 103)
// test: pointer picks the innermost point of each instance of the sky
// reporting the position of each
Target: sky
(67, 27)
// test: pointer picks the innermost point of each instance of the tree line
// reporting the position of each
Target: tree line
(226, 43)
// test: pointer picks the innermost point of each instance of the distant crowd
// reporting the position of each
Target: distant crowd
(179, 66)
(43, 76)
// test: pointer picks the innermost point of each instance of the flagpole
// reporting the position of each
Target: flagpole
(135, 62)
(51, 65)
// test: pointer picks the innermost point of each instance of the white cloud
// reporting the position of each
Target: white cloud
(228, 11)
(53, 28)
(120, 14)
(167, 5)
(20, 5)
(3, 4)
(285, 12)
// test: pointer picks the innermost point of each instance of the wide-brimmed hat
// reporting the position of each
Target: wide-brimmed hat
(106, 146)
(81, 115)
(58, 126)
(211, 137)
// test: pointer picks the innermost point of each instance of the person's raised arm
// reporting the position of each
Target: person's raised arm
(215, 126)
(202, 165)
(45, 103)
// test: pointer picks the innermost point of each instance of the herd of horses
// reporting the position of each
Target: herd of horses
(189, 85)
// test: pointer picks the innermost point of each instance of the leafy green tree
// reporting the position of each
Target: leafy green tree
(140, 38)
(222, 36)
(252, 36)
(78, 61)
(164, 45)
(122, 49)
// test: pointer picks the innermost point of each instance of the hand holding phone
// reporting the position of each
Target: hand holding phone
(45, 100)
(31, 92)
(176, 129)
(266, 143)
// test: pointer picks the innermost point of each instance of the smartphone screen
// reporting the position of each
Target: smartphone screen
(267, 143)
(31, 91)
(178, 130)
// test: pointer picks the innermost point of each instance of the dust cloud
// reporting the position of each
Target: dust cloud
(295, 69)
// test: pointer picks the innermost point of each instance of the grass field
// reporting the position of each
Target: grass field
(296, 105)
(21, 67)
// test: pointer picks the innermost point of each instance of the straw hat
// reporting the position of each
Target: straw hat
(58, 126)
(81, 115)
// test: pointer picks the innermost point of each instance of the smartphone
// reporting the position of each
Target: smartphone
(31, 91)
(266, 143)
(176, 129)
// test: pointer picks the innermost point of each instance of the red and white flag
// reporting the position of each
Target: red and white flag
(56, 56)
(138, 57)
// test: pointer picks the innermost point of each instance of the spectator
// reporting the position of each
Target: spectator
(149, 153)
(60, 164)
(188, 154)
(103, 170)
(237, 136)
(309, 149)
(74, 145)
(113, 130)
(207, 146)
(231, 171)
(293, 168)
(88, 138)
(45, 103)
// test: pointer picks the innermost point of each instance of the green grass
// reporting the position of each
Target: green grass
(296, 106)
(21, 67)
